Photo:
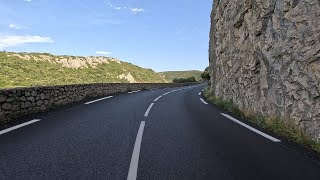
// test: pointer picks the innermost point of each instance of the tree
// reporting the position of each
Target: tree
(205, 75)
(184, 80)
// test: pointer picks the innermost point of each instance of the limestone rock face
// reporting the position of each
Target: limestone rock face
(127, 77)
(74, 62)
(265, 56)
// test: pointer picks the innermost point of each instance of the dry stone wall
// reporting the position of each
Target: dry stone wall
(17, 102)
(265, 56)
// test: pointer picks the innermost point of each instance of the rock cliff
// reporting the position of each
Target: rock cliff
(265, 56)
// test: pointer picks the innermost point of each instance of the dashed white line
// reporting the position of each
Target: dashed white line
(133, 92)
(204, 102)
(146, 114)
(166, 93)
(98, 100)
(157, 98)
(19, 126)
(251, 128)
(133, 169)
(199, 93)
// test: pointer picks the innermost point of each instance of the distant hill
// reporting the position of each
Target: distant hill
(34, 69)
(170, 75)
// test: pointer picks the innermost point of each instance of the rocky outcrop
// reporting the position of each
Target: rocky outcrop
(265, 56)
(74, 62)
(127, 77)
(17, 102)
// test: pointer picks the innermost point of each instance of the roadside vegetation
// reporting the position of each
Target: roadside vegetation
(205, 75)
(171, 75)
(276, 125)
(17, 72)
(184, 80)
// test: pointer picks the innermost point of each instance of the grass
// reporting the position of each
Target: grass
(275, 125)
(16, 72)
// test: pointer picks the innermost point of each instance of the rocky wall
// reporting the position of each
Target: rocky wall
(265, 56)
(17, 102)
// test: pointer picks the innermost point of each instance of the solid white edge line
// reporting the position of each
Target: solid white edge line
(251, 128)
(157, 98)
(98, 100)
(148, 110)
(19, 126)
(133, 169)
(204, 102)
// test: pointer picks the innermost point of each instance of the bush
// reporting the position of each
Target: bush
(184, 80)
(205, 75)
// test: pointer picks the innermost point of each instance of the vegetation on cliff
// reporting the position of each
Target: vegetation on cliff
(35, 69)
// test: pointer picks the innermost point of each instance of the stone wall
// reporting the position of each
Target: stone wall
(265, 56)
(17, 102)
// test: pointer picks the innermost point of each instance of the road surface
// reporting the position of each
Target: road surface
(171, 133)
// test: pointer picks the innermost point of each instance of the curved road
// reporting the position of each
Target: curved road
(154, 134)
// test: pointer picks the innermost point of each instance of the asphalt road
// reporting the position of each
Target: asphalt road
(153, 134)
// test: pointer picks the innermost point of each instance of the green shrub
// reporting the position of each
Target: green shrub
(184, 80)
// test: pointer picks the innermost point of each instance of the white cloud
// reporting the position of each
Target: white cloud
(16, 26)
(103, 52)
(27, 0)
(136, 10)
(11, 41)
(117, 7)
(132, 10)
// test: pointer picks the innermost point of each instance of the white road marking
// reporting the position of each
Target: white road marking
(204, 102)
(166, 93)
(133, 170)
(133, 92)
(158, 98)
(202, 90)
(251, 128)
(199, 93)
(98, 100)
(148, 110)
(19, 126)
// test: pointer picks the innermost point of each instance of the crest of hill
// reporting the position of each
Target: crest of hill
(38, 69)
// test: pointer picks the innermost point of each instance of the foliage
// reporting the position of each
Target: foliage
(274, 124)
(184, 80)
(16, 72)
(205, 75)
(170, 75)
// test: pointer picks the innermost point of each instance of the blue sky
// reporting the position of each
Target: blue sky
(162, 35)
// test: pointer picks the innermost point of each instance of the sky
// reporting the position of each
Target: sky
(162, 35)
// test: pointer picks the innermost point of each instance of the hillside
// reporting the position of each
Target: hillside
(170, 75)
(34, 69)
